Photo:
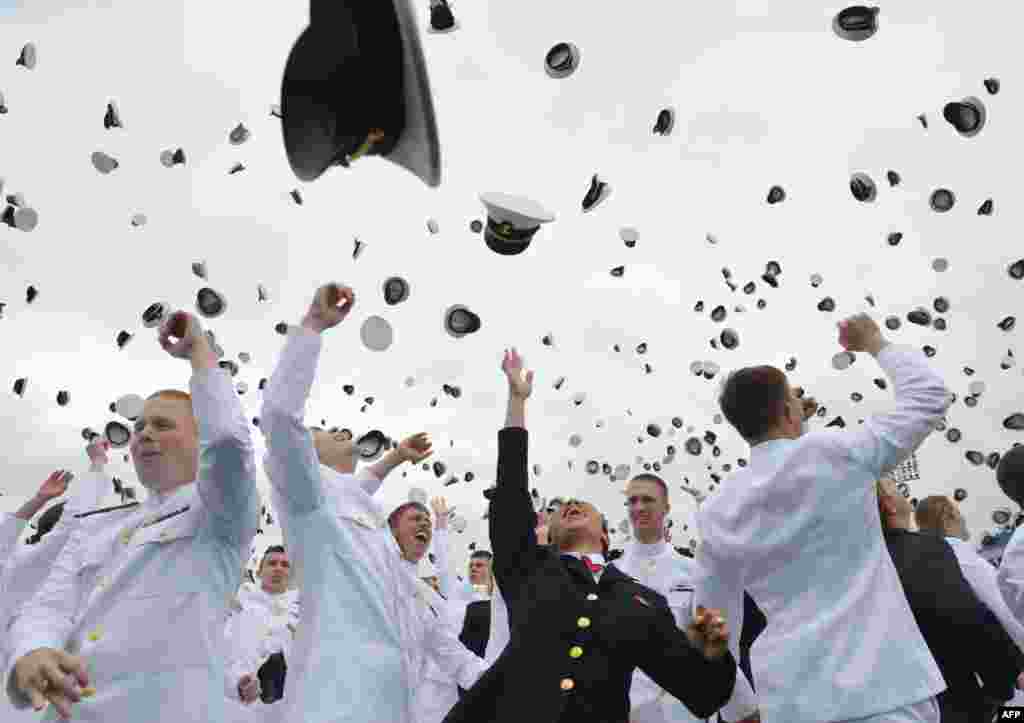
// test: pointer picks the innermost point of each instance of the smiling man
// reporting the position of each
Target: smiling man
(656, 564)
(127, 627)
(259, 638)
(579, 627)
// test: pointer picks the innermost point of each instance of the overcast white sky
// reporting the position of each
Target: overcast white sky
(765, 94)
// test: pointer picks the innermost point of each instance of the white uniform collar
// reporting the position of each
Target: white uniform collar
(595, 557)
(643, 549)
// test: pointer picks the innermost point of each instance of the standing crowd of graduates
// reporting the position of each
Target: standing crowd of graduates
(811, 597)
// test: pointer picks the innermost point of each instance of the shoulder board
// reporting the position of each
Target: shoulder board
(106, 509)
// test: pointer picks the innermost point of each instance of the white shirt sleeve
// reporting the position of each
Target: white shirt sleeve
(921, 399)
(981, 576)
(46, 620)
(291, 461)
(451, 656)
(445, 577)
(500, 634)
(719, 584)
(1010, 576)
(226, 479)
(11, 527)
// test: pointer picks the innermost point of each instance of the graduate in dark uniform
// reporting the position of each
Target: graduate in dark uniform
(579, 628)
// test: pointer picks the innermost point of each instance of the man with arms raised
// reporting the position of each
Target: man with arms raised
(579, 627)
(367, 629)
(128, 625)
(798, 529)
(656, 564)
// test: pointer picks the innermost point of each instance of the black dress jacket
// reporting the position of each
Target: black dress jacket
(964, 636)
(574, 642)
(476, 628)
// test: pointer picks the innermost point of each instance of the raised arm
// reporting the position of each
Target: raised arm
(292, 463)
(226, 477)
(885, 440)
(445, 576)
(512, 518)
(412, 449)
(12, 525)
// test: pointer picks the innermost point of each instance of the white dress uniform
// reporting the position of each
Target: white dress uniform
(141, 593)
(251, 636)
(360, 651)
(500, 633)
(1010, 579)
(661, 568)
(799, 530)
(982, 578)
(23, 568)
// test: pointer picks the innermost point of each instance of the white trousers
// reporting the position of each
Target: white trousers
(925, 711)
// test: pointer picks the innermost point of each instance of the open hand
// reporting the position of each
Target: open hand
(440, 507)
(331, 304)
(416, 448)
(708, 633)
(518, 384)
(860, 333)
(54, 486)
(179, 333)
(49, 675)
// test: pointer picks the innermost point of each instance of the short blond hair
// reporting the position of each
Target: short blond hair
(178, 396)
(932, 512)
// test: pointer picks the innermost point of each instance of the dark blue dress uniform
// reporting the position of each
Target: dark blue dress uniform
(575, 642)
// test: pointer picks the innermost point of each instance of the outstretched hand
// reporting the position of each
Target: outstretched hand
(519, 385)
(416, 448)
(54, 486)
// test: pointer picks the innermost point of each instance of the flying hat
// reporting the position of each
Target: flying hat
(117, 434)
(170, 158)
(103, 162)
(111, 118)
(376, 333)
(20, 217)
(210, 304)
(856, 22)
(27, 58)
(562, 60)
(129, 406)
(967, 116)
(512, 222)
(460, 321)
(356, 84)
(238, 135)
(396, 290)
(665, 121)
(371, 445)
(441, 18)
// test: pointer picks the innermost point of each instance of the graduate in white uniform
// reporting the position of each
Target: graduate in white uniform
(361, 648)
(263, 624)
(655, 563)
(940, 516)
(798, 529)
(1010, 574)
(23, 568)
(438, 690)
(128, 625)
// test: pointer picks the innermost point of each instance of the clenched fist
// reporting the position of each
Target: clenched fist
(331, 304)
(180, 333)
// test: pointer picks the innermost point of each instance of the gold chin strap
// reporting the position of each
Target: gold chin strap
(375, 136)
